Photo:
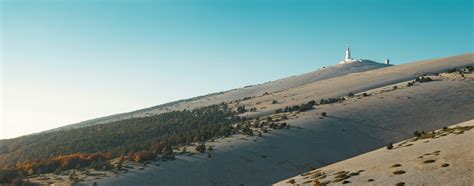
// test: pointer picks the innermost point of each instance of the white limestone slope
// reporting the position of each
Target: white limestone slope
(356, 82)
(445, 159)
(355, 126)
(329, 82)
(249, 91)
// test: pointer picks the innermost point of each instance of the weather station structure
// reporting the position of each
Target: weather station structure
(348, 58)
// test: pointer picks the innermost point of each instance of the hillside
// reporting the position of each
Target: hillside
(444, 157)
(318, 124)
(353, 126)
(240, 93)
(392, 75)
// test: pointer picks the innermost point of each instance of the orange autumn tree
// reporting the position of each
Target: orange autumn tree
(62, 162)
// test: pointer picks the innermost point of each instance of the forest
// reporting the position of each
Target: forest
(137, 138)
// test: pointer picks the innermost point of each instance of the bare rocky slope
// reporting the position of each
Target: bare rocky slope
(357, 125)
(240, 93)
(361, 74)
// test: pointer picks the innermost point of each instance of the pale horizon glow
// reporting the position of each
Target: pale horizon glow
(64, 62)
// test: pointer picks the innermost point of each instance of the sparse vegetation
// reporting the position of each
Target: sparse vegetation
(330, 100)
(144, 156)
(291, 181)
(423, 79)
(167, 153)
(398, 172)
(201, 148)
(241, 109)
(277, 111)
(324, 114)
(247, 131)
(451, 70)
(300, 108)
(429, 161)
(470, 68)
(354, 174)
(246, 98)
(389, 146)
(396, 165)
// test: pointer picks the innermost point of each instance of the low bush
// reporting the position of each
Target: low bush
(423, 79)
(247, 131)
(282, 125)
(399, 172)
(307, 106)
(451, 70)
(144, 156)
(269, 119)
(292, 181)
(330, 100)
(301, 108)
(470, 68)
(241, 109)
(168, 153)
(389, 146)
(429, 161)
(201, 148)
(396, 165)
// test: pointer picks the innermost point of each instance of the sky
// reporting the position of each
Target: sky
(63, 62)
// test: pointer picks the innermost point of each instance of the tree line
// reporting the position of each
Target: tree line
(138, 139)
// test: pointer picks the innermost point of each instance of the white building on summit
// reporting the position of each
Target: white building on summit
(348, 58)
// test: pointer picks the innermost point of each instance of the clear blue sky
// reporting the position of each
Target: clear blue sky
(67, 61)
